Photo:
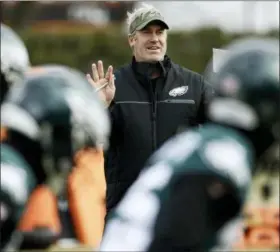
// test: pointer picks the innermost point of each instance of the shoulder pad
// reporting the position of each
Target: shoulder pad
(228, 158)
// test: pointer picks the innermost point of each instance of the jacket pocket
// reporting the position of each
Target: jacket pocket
(178, 101)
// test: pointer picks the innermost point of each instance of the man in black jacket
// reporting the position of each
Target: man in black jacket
(150, 100)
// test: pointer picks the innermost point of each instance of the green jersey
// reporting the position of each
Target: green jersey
(17, 182)
(211, 150)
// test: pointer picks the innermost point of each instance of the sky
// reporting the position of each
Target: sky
(228, 15)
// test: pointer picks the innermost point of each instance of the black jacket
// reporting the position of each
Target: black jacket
(145, 113)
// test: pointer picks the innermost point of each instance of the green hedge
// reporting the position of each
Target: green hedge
(79, 50)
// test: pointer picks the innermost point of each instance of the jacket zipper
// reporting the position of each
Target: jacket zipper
(154, 122)
(154, 115)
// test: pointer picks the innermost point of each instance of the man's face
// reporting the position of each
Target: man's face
(149, 44)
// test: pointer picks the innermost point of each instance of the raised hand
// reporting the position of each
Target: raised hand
(103, 83)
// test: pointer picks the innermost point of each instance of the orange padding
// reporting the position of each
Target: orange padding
(263, 238)
(3, 135)
(262, 225)
(41, 211)
(87, 189)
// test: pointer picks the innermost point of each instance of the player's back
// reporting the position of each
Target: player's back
(211, 150)
(17, 182)
(142, 216)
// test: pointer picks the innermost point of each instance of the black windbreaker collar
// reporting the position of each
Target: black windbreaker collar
(147, 69)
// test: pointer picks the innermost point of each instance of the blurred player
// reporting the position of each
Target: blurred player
(14, 62)
(14, 59)
(191, 193)
(51, 117)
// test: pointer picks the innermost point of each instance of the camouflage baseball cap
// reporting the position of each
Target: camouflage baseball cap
(144, 19)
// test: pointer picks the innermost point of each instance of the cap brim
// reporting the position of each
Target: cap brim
(143, 25)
